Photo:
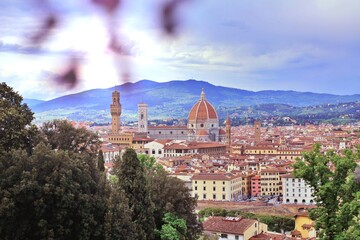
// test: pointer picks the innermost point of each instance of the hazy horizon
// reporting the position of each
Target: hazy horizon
(84, 90)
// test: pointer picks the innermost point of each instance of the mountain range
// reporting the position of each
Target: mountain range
(174, 99)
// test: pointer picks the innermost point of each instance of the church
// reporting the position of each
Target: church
(202, 126)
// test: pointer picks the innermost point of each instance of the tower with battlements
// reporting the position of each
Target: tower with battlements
(115, 110)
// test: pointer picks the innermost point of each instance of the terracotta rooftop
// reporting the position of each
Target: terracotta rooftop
(222, 225)
(271, 236)
(202, 132)
(214, 176)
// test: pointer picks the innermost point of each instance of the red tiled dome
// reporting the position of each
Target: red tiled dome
(202, 110)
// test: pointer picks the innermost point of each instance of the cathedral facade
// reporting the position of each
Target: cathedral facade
(203, 125)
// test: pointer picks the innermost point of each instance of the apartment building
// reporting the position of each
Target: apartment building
(270, 181)
(296, 191)
(217, 186)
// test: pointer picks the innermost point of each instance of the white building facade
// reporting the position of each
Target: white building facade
(296, 191)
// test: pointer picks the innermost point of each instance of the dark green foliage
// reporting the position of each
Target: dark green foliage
(16, 130)
(170, 195)
(336, 191)
(133, 181)
(50, 195)
(173, 228)
(275, 223)
(118, 224)
(207, 212)
(100, 163)
(278, 224)
(60, 134)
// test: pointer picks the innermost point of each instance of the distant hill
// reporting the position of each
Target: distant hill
(32, 102)
(173, 99)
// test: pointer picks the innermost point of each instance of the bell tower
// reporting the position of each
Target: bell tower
(143, 117)
(115, 110)
(257, 126)
(228, 133)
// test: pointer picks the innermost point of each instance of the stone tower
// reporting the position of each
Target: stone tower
(142, 117)
(228, 133)
(257, 126)
(115, 110)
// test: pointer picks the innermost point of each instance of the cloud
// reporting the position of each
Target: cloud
(31, 50)
(310, 45)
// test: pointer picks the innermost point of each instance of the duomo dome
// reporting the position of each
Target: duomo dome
(202, 119)
(202, 111)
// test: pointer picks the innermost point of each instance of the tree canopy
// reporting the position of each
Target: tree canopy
(50, 195)
(60, 134)
(15, 121)
(336, 191)
(170, 195)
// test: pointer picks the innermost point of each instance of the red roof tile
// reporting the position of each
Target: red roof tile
(221, 225)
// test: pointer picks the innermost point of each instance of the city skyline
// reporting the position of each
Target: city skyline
(302, 46)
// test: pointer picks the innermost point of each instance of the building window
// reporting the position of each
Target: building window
(201, 125)
(204, 182)
(170, 132)
(195, 188)
(214, 188)
(204, 188)
(204, 196)
(195, 182)
(236, 237)
(153, 151)
(214, 196)
(213, 182)
(223, 197)
(223, 235)
(159, 151)
(159, 132)
(223, 183)
(223, 189)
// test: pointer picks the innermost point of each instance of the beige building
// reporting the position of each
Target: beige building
(216, 186)
(304, 226)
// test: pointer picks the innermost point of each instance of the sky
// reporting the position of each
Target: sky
(299, 45)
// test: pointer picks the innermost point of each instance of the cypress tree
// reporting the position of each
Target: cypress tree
(133, 181)
(101, 162)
